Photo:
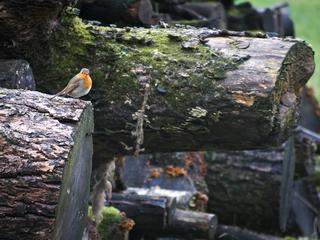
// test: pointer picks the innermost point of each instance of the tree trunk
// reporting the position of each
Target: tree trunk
(176, 89)
(45, 167)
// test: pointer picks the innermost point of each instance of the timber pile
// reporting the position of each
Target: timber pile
(158, 90)
(261, 182)
(191, 99)
(45, 162)
(155, 215)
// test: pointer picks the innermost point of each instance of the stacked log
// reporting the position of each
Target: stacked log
(201, 82)
(158, 216)
(45, 167)
(130, 12)
(16, 74)
(255, 189)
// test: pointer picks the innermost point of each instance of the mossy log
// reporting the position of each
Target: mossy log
(204, 86)
(201, 95)
(45, 165)
(16, 74)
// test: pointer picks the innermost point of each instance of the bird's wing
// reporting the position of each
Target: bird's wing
(72, 85)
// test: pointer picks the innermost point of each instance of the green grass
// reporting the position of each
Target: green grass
(306, 17)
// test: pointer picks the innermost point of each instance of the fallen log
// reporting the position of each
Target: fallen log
(130, 12)
(158, 216)
(45, 167)
(16, 74)
(182, 198)
(176, 89)
(225, 91)
(253, 189)
(148, 212)
(193, 225)
(233, 232)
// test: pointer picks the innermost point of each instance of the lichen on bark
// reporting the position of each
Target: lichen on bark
(176, 59)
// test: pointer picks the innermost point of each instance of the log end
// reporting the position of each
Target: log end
(296, 69)
(45, 149)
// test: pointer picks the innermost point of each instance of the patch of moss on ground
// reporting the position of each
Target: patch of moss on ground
(111, 218)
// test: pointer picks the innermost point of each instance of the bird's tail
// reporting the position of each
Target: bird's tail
(58, 94)
(53, 96)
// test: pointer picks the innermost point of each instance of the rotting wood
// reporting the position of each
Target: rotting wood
(45, 165)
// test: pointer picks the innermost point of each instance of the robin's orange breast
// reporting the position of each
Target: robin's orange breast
(87, 82)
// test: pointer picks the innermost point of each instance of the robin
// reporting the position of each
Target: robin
(78, 86)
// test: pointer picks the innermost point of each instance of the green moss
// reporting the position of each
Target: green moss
(175, 59)
(111, 217)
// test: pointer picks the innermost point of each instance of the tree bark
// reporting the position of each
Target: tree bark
(16, 74)
(26, 26)
(131, 12)
(205, 86)
(248, 188)
(45, 167)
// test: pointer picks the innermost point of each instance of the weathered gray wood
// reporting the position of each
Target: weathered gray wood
(245, 186)
(182, 198)
(45, 165)
(234, 232)
(193, 224)
(156, 215)
(16, 74)
(148, 212)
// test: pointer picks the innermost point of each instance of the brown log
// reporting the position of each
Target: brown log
(131, 12)
(201, 14)
(45, 167)
(205, 86)
(182, 198)
(234, 232)
(193, 224)
(156, 215)
(253, 189)
(16, 74)
(148, 212)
